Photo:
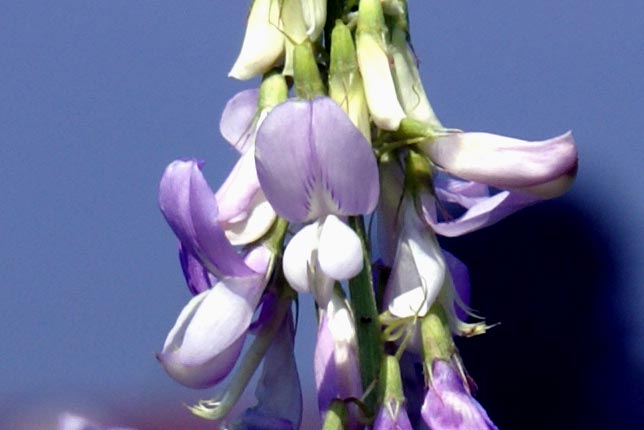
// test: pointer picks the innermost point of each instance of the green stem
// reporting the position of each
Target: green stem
(370, 346)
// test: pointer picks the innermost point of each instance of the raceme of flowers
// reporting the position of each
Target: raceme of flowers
(340, 129)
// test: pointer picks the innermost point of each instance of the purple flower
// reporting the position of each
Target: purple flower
(206, 340)
(315, 166)
(448, 404)
(336, 363)
(478, 163)
(278, 392)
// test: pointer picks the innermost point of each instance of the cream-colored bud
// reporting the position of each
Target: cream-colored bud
(314, 13)
(408, 84)
(263, 44)
(373, 60)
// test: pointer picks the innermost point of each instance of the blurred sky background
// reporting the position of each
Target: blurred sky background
(97, 97)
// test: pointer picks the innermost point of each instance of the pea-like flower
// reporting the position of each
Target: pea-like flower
(475, 166)
(207, 338)
(316, 167)
(449, 406)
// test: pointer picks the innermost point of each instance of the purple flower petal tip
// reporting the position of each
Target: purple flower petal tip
(190, 208)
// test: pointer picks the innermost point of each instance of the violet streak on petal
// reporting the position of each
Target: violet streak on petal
(312, 161)
(448, 405)
(190, 208)
(505, 162)
(237, 119)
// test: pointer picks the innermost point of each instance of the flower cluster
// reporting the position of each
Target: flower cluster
(339, 129)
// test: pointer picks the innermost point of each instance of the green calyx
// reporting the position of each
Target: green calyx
(371, 18)
(336, 416)
(272, 91)
(418, 173)
(308, 83)
(391, 388)
(343, 51)
(436, 336)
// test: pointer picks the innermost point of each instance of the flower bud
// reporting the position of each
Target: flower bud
(314, 14)
(345, 81)
(374, 64)
(263, 42)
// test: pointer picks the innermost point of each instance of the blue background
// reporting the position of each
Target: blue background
(98, 96)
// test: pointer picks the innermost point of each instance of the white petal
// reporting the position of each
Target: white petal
(298, 256)
(419, 268)
(340, 250)
(221, 319)
(263, 42)
(259, 221)
(378, 82)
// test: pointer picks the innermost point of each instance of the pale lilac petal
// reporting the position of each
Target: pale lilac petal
(336, 363)
(207, 338)
(504, 162)
(448, 405)
(257, 223)
(237, 120)
(238, 190)
(244, 212)
(340, 250)
(312, 161)
(191, 210)
(482, 212)
(419, 269)
(197, 277)
(278, 392)
(348, 166)
(297, 258)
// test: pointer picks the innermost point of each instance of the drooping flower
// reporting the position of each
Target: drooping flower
(475, 165)
(315, 166)
(209, 333)
(449, 406)
(336, 363)
(278, 392)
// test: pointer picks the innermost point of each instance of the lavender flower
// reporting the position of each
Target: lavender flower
(314, 165)
(526, 172)
(448, 404)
